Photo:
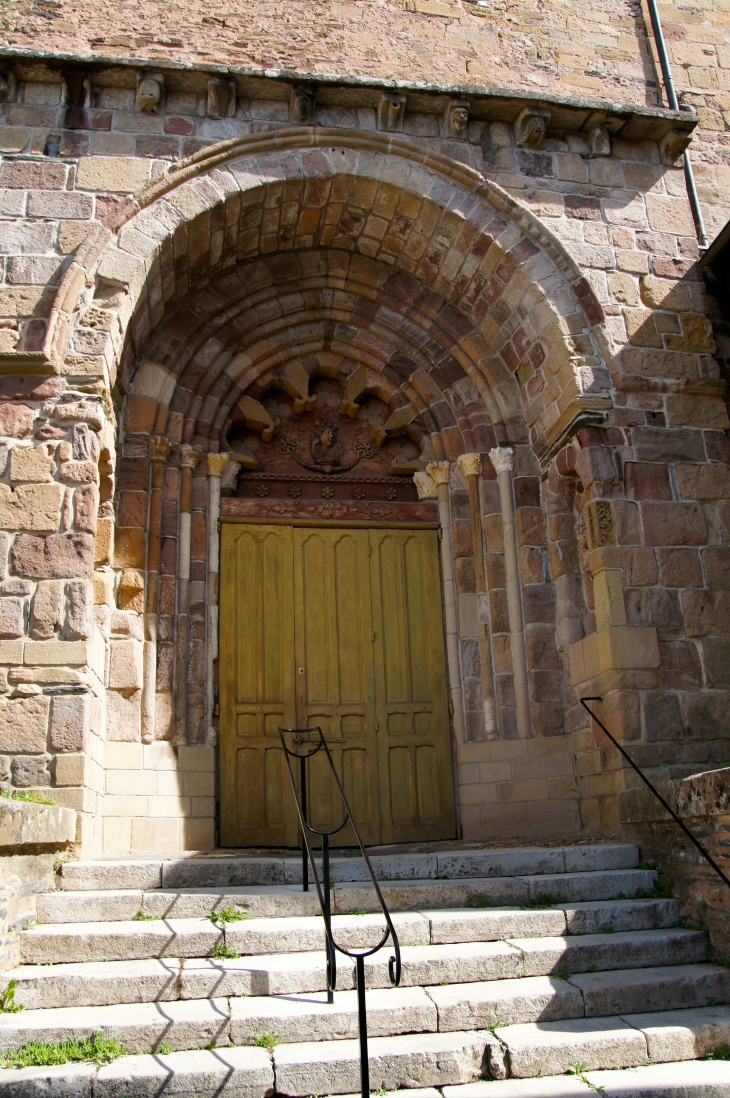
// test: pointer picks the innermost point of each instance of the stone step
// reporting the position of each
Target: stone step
(223, 871)
(122, 941)
(655, 989)
(547, 889)
(698, 1079)
(258, 901)
(297, 1018)
(505, 1002)
(628, 949)
(225, 1073)
(410, 1060)
(684, 1034)
(551, 1086)
(553, 1048)
(140, 1027)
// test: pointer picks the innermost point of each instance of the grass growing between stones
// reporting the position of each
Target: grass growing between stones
(480, 901)
(225, 953)
(145, 917)
(97, 1049)
(722, 1053)
(30, 796)
(227, 915)
(265, 1040)
(7, 1000)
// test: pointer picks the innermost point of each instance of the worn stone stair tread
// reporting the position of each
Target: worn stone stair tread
(140, 1027)
(194, 870)
(441, 964)
(550, 1086)
(197, 937)
(505, 1002)
(62, 1081)
(87, 983)
(309, 1017)
(634, 990)
(683, 1034)
(693, 1079)
(639, 948)
(551, 1048)
(591, 916)
(259, 901)
(468, 924)
(513, 890)
(409, 1060)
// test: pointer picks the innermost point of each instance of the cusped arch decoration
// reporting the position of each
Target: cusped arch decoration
(415, 236)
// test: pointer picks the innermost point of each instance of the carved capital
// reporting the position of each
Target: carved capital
(470, 464)
(216, 464)
(502, 458)
(190, 455)
(160, 448)
(440, 471)
(424, 485)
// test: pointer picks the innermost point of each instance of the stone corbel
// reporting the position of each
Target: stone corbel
(502, 458)
(295, 381)
(395, 424)
(221, 98)
(673, 145)
(531, 127)
(160, 450)
(257, 418)
(150, 92)
(440, 473)
(391, 111)
(216, 465)
(302, 104)
(8, 84)
(456, 119)
(354, 388)
(471, 467)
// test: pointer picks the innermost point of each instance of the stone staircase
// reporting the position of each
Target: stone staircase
(527, 973)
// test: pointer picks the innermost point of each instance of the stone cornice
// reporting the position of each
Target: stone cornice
(631, 121)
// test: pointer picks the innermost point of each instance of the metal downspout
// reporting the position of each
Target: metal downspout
(689, 178)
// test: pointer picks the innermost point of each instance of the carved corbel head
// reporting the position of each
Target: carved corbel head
(599, 142)
(302, 104)
(673, 145)
(531, 127)
(456, 119)
(150, 92)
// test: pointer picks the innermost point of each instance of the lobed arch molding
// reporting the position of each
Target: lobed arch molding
(363, 255)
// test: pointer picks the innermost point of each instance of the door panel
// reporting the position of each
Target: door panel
(410, 674)
(256, 684)
(335, 688)
(340, 628)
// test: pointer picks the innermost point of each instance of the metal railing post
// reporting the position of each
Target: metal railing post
(325, 899)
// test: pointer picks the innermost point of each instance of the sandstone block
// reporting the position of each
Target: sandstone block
(11, 617)
(34, 463)
(123, 709)
(11, 651)
(118, 174)
(706, 612)
(669, 215)
(662, 293)
(30, 770)
(79, 472)
(703, 481)
(47, 613)
(79, 603)
(695, 411)
(63, 556)
(16, 420)
(70, 721)
(33, 507)
(33, 175)
(23, 724)
(86, 507)
(125, 665)
(13, 139)
(674, 524)
(55, 653)
(104, 542)
(103, 587)
(716, 656)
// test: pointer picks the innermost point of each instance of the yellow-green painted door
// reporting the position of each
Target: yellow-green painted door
(414, 749)
(339, 628)
(256, 671)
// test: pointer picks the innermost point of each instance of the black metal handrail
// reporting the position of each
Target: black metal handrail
(705, 853)
(301, 736)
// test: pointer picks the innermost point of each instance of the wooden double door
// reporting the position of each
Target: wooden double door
(341, 628)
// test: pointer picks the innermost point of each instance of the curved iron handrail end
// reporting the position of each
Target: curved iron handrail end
(655, 791)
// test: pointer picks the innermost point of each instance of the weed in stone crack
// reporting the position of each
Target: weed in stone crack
(7, 1000)
(559, 974)
(495, 1025)
(30, 796)
(356, 911)
(577, 1069)
(145, 917)
(702, 905)
(265, 1040)
(663, 889)
(543, 900)
(646, 865)
(722, 1053)
(228, 915)
(225, 953)
(162, 1050)
(606, 928)
(480, 901)
(96, 1048)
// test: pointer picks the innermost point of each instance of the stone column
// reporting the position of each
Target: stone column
(189, 458)
(160, 450)
(440, 471)
(502, 458)
(471, 467)
(216, 465)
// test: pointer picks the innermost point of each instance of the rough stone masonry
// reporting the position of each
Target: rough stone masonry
(475, 212)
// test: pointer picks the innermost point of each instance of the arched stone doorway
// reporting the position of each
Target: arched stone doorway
(239, 287)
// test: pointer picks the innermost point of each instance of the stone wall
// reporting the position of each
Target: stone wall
(34, 838)
(702, 802)
(566, 319)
